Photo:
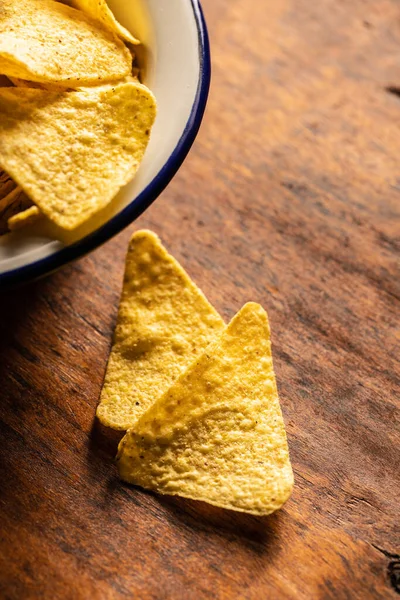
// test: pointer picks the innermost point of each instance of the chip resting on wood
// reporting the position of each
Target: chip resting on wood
(164, 322)
(217, 434)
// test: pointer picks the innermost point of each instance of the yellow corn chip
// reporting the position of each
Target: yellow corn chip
(24, 218)
(46, 41)
(217, 434)
(15, 202)
(71, 152)
(98, 9)
(164, 322)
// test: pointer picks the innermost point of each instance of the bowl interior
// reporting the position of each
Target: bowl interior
(171, 66)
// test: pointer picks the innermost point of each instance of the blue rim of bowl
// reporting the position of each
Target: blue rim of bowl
(130, 213)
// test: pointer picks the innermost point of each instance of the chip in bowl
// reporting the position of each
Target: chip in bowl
(72, 151)
(99, 9)
(22, 219)
(14, 203)
(46, 41)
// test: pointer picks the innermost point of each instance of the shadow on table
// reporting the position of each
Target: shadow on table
(258, 533)
(16, 309)
(27, 315)
(17, 303)
(103, 441)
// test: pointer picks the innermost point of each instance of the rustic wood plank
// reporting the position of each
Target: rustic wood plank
(290, 197)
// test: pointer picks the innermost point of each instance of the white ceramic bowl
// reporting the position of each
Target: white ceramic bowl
(176, 62)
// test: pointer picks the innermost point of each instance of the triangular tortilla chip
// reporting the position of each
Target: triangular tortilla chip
(217, 434)
(72, 151)
(98, 9)
(43, 40)
(164, 322)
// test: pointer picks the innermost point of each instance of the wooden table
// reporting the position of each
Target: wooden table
(290, 197)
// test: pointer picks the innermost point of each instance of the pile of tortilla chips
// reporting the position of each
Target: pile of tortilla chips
(74, 119)
(198, 398)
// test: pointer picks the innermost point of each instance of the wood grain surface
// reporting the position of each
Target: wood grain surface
(290, 197)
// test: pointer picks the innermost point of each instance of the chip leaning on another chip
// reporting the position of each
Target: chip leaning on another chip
(98, 9)
(164, 322)
(46, 41)
(71, 152)
(217, 434)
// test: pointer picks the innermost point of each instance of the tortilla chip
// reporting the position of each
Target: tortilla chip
(217, 434)
(15, 202)
(164, 322)
(98, 9)
(23, 218)
(46, 41)
(94, 141)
